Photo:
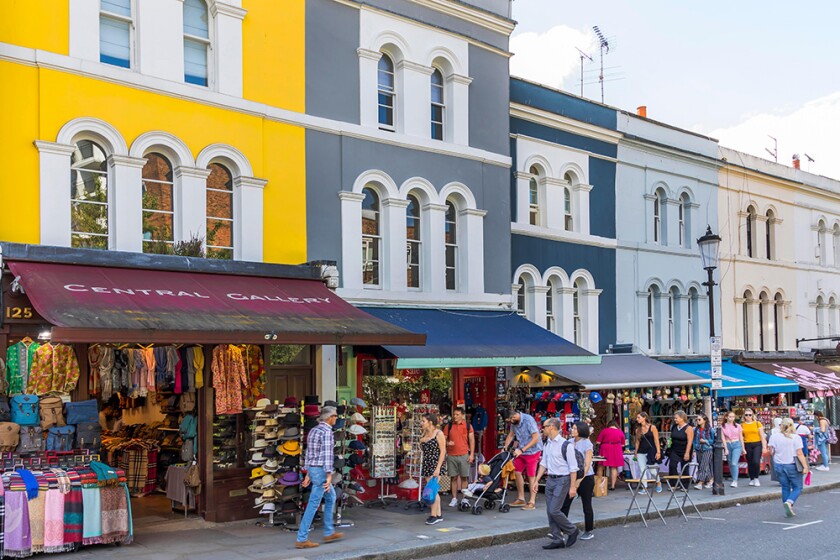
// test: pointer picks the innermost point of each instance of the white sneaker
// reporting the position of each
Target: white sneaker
(709, 485)
(698, 486)
(734, 484)
(454, 502)
(821, 468)
(757, 483)
(468, 494)
(752, 482)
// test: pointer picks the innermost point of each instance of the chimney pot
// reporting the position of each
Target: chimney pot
(641, 110)
(796, 161)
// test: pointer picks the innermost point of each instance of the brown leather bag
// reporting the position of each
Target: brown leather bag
(9, 436)
(51, 410)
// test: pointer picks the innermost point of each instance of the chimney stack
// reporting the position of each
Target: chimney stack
(641, 110)
(796, 161)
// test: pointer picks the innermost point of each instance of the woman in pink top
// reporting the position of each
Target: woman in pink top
(611, 440)
(733, 443)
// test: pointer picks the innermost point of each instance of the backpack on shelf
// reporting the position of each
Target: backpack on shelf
(5, 411)
(31, 440)
(60, 438)
(82, 412)
(89, 436)
(9, 436)
(25, 410)
(51, 411)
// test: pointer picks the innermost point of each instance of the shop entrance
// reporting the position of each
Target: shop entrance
(476, 388)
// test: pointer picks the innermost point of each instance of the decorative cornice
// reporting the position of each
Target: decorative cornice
(395, 202)
(582, 187)
(592, 292)
(415, 67)
(522, 175)
(217, 7)
(250, 182)
(459, 79)
(351, 196)
(192, 172)
(429, 206)
(473, 15)
(369, 54)
(54, 148)
(126, 161)
(553, 120)
(472, 212)
(562, 236)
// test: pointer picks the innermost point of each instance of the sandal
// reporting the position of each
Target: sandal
(529, 506)
(518, 503)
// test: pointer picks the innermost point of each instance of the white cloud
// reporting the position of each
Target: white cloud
(550, 58)
(810, 129)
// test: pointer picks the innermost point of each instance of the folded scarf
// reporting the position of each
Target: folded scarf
(30, 482)
(103, 472)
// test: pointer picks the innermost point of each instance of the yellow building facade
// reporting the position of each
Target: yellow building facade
(210, 92)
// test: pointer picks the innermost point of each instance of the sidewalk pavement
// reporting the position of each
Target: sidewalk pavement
(395, 533)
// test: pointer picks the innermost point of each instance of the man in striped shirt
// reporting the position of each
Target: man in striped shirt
(320, 445)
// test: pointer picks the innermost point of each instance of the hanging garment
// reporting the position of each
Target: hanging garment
(36, 521)
(149, 358)
(190, 364)
(171, 367)
(54, 369)
(140, 375)
(17, 538)
(92, 515)
(255, 366)
(106, 367)
(94, 360)
(160, 367)
(114, 516)
(119, 375)
(199, 367)
(73, 512)
(54, 521)
(19, 358)
(229, 378)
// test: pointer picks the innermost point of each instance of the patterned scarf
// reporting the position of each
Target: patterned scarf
(36, 521)
(114, 514)
(73, 515)
(54, 522)
(18, 539)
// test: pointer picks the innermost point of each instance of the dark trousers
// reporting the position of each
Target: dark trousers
(676, 462)
(754, 459)
(586, 491)
(556, 491)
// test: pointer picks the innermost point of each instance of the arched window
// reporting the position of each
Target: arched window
(832, 312)
(522, 298)
(438, 105)
(747, 320)
(451, 244)
(770, 248)
(568, 222)
(371, 238)
(196, 42)
(414, 247)
(672, 316)
(750, 231)
(819, 316)
(821, 242)
(691, 345)
(836, 238)
(550, 315)
(778, 315)
(115, 29)
(534, 196)
(387, 92)
(658, 216)
(158, 205)
(651, 318)
(684, 217)
(577, 313)
(89, 196)
(762, 331)
(219, 212)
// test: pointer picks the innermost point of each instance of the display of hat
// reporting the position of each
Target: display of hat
(331, 403)
(256, 488)
(271, 466)
(289, 507)
(357, 445)
(290, 478)
(271, 422)
(262, 415)
(267, 508)
(257, 459)
(356, 401)
(259, 428)
(269, 452)
(259, 445)
(290, 402)
(310, 423)
(258, 472)
(357, 430)
(269, 494)
(290, 433)
(261, 404)
(271, 435)
(341, 409)
(311, 410)
(357, 418)
(291, 419)
(409, 484)
(355, 459)
(339, 425)
(271, 408)
(595, 397)
(338, 463)
(268, 481)
(290, 448)
(289, 492)
(310, 400)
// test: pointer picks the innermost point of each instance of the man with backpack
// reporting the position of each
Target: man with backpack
(559, 461)
(460, 452)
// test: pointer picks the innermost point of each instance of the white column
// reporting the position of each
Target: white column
(190, 202)
(537, 314)
(567, 294)
(326, 368)
(471, 251)
(649, 221)
(742, 234)
(760, 237)
(580, 198)
(55, 192)
(227, 51)
(642, 323)
(523, 208)
(368, 79)
(84, 30)
(553, 209)
(414, 98)
(590, 326)
(661, 315)
(671, 231)
(434, 265)
(681, 321)
(458, 107)
(248, 224)
(394, 263)
(125, 203)
(351, 239)
(159, 38)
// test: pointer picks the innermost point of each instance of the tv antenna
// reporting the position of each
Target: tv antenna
(810, 161)
(604, 45)
(775, 151)
(582, 56)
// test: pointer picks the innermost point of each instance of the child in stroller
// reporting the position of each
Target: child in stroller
(489, 488)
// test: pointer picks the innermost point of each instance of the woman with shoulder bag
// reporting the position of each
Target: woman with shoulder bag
(755, 444)
(433, 447)
(647, 448)
(821, 436)
(585, 487)
(682, 439)
(733, 445)
(790, 464)
(704, 439)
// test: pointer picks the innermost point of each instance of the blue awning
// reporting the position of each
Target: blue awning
(456, 338)
(620, 371)
(739, 380)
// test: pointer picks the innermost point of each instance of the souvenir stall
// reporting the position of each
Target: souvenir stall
(151, 372)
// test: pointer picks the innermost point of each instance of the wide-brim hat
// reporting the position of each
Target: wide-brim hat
(311, 410)
(258, 472)
(271, 435)
(290, 478)
(311, 399)
(331, 403)
(257, 458)
(271, 466)
(357, 445)
(356, 401)
(290, 402)
(338, 463)
(291, 461)
(291, 419)
(290, 448)
(271, 422)
(290, 434)
(339, 424)
(268, 481)
(289, 492)
(268, 507)
(355, 460)
(261, 404)
(269, 452)
(256, 488)
(259, 445)
(357, 418)
(357, 430)
(271, 408)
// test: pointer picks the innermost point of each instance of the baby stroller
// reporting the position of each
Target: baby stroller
(496, 492)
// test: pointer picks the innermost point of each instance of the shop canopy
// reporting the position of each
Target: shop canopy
(103, 304)
(817, 380)
(739, 380)
(620, 371)
(456, 339)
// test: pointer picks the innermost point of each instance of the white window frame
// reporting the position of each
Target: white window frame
(171, 185)
(414, 246)
(441, 105)
(534, 199)
(751, 232)
(657, 218)
(568, 210)
(690, 322)
(746, 319)
(392, 93)
(550, 316)
(131, 33)
(522, 298)
(208, 45)
(371, 240)
(671, 327)
(651, 320)
(108, 204)
(454, 268)
(232, 219)
(577, 317)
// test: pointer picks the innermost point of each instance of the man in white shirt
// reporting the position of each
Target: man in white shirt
(803, 431)
(562, 476)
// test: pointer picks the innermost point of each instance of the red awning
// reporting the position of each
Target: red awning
(817, 380)
(100, 304)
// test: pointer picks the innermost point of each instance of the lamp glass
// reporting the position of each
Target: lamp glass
(709, 249)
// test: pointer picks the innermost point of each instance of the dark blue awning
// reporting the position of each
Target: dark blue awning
(457, 338)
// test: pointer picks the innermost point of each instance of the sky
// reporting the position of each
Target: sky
(738, 71)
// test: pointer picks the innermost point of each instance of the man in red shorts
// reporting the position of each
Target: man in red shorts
(524, 428)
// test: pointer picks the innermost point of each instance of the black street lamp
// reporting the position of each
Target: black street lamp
(710, 254)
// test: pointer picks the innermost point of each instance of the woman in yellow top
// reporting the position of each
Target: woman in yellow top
(755, 443)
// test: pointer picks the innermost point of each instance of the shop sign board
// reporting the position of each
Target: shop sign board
(717, 384)
(715, 345)
(16, 305)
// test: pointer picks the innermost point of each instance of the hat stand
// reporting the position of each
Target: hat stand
(345, 497)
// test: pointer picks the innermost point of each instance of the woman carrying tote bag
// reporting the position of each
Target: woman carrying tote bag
(790, 464)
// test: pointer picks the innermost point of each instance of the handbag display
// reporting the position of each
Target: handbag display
(31, 440)
(5, 411)
(89, 436)
(82, 412)
(60, 438)
(51, 411)
(25, 410)
(601, 486)
(9, 436)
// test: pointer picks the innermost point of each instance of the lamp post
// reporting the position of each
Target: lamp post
(709, 253)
